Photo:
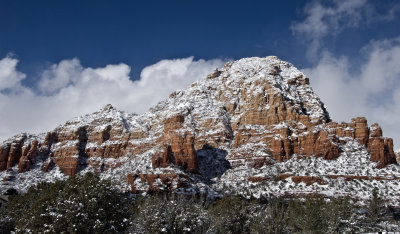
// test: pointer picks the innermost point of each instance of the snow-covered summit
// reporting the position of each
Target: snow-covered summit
(253, 126)
(238, 82)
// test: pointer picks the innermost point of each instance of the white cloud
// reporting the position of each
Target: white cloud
(58, 76)
(67, 89)
(9, 76)
(330, 18)
(372, 91)
(167, 76)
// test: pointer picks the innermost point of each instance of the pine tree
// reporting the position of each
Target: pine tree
(338, 214)
(308, 217)
(376, 208)
(81, 204)
(162, 213)
(271, 219)
(230, 215)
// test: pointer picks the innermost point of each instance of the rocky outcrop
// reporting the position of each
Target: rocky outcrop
(15, 152)
(163, 158)
(255, 157)
(381, 150)
(322, 140)
(180, 148)
(48, 165)
(180, 152)
(4, 150)
(12, 151)
(258, 111)
(68, 165)
(29, 153)
(361, 130)
(308, 180)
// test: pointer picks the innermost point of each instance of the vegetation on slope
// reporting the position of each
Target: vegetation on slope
(86, 204)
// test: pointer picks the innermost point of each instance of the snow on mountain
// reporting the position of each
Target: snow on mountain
(254, 128)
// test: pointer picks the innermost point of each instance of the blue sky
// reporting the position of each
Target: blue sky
(140, 33)
(65, 58)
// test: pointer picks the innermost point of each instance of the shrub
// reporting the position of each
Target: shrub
(81, 204)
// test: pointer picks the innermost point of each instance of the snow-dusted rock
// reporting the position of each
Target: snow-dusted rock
(255, 126)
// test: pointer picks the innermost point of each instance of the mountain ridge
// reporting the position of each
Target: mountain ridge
(252, 119)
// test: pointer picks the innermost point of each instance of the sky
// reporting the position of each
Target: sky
(61, 59)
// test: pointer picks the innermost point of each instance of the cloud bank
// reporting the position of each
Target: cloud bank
(330, 18)
(67, 89)
(373, 91)
(349, 89)
(9, 76)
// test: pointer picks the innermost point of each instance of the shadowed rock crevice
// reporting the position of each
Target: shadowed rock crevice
(212, 163)
(106, 133)
(83, 139)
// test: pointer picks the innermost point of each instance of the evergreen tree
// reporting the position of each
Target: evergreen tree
(230, 215)
(308, 217)
(375, 211)
(81, 204)
(271, 219)
(6, 223)
(338, 215)
(162, 213)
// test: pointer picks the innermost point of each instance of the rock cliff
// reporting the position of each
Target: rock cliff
(251, 115)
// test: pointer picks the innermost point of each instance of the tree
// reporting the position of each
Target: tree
(81, 204)
(307, 217)
(162, 213)
(6, 223)
(230, 215)
(375, 209)
(338, 215)
(271, 219)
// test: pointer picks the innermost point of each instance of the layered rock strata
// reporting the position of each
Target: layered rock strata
(260, 111)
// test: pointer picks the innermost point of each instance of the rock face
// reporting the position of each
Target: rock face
(29, 153)
(20, 149)
(163, 158)
(382, 151)
(256, 112)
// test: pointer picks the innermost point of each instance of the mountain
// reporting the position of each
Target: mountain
(254, 128)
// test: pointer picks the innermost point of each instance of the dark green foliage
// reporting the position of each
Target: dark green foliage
(307, 217)
(230, 215)
(338, 213)
(164, 214)
(86, 204)
(6, 223)
(317, 215)
(375, 209)
(272, 218)
(81, 204)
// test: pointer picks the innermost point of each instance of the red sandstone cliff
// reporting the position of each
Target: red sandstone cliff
(260, 111)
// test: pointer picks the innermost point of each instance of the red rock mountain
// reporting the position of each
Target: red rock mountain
(255, 120)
